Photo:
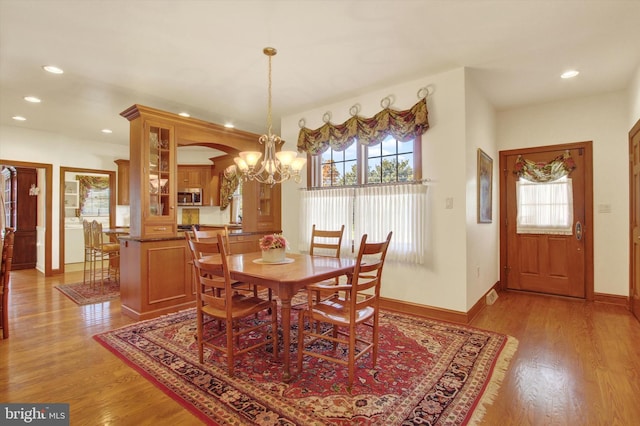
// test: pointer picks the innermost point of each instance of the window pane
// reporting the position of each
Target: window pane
(351, 152)
(405, 167)
(388, 146)
(374, 167)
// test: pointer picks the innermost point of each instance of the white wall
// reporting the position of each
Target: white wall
(442, 280)
(483, 239)
(602, 119)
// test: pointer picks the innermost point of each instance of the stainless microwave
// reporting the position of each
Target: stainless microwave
(190, 197)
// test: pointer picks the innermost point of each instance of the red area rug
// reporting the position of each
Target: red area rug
(87, 294)
(428, 372)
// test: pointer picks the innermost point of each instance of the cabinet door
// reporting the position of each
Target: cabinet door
(158, 185)
(189, 177)
(260, 207)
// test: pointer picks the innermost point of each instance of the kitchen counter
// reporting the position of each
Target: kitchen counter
(233, 233)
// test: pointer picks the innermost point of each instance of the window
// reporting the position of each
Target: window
(390, 161)
(96, 202)
(545, 207)
(355, 188)
(387, 162)
(339, 168)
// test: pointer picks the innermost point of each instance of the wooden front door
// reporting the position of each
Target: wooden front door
(634, 219)
(547, 262)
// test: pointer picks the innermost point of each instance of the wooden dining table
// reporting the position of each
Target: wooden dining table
(286, 280)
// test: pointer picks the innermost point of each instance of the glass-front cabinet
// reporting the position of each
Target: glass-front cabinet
(158, 180)
(264, 200)
(159, 176)
(152, 174)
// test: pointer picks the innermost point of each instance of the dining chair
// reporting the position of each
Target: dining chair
(88, 252)
(326, 243)
(230, 308)
(104, 252)
(211, 235)
(345, 314)
(5, 275)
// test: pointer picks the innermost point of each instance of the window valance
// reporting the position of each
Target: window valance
(87, 183)
(560, 166)
(403, 125)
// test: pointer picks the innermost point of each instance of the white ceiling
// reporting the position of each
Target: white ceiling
(205, 57)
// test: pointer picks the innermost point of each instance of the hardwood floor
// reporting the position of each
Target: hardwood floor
(577, 363)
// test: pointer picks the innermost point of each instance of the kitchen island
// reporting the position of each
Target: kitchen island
(156, 277)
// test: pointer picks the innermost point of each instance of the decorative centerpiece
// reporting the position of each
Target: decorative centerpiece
(273, 248)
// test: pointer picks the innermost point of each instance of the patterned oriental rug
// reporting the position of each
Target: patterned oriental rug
(87, 294)
(428, 373)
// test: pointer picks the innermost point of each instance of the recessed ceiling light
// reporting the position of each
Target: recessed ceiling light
(53, 69)
(107, 131)
(19, 118)
(229, 125)
(32, 99)
(184, 114)
(569, 74)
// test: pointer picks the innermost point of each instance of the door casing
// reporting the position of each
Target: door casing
(634, 221)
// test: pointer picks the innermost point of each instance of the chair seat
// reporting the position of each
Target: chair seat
(110, 248)
(242, 306)
(336, 310)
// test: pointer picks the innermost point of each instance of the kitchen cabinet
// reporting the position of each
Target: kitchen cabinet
(155, 276)
(123, 182)
(196, 176)
(152, 175)
(261, 207)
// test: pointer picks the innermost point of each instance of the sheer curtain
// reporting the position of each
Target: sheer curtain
(327, 209)
(545, 208)
(398, 208)
(374, 210)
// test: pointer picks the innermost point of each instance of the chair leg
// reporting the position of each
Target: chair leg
(230, 347)
(300, 340)
(199, 338)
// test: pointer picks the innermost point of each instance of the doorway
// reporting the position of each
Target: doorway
(539, 254)
(84, 194)
(46, 192)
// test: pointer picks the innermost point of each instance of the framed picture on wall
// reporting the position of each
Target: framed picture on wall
(485, 186)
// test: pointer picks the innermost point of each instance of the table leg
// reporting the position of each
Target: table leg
(286, 338)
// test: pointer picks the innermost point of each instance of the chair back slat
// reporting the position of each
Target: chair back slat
(211, 235)
(325, 242)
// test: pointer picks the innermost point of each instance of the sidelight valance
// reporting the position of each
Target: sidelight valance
(560, 166)
(403, 125)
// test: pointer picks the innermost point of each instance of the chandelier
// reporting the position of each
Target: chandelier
(275, 167)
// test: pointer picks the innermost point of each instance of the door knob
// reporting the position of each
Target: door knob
(578, 231)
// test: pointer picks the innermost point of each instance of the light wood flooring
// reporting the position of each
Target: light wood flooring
(577, 363)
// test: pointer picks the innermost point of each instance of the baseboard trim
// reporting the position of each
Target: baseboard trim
(613, 299)
(437, 313)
